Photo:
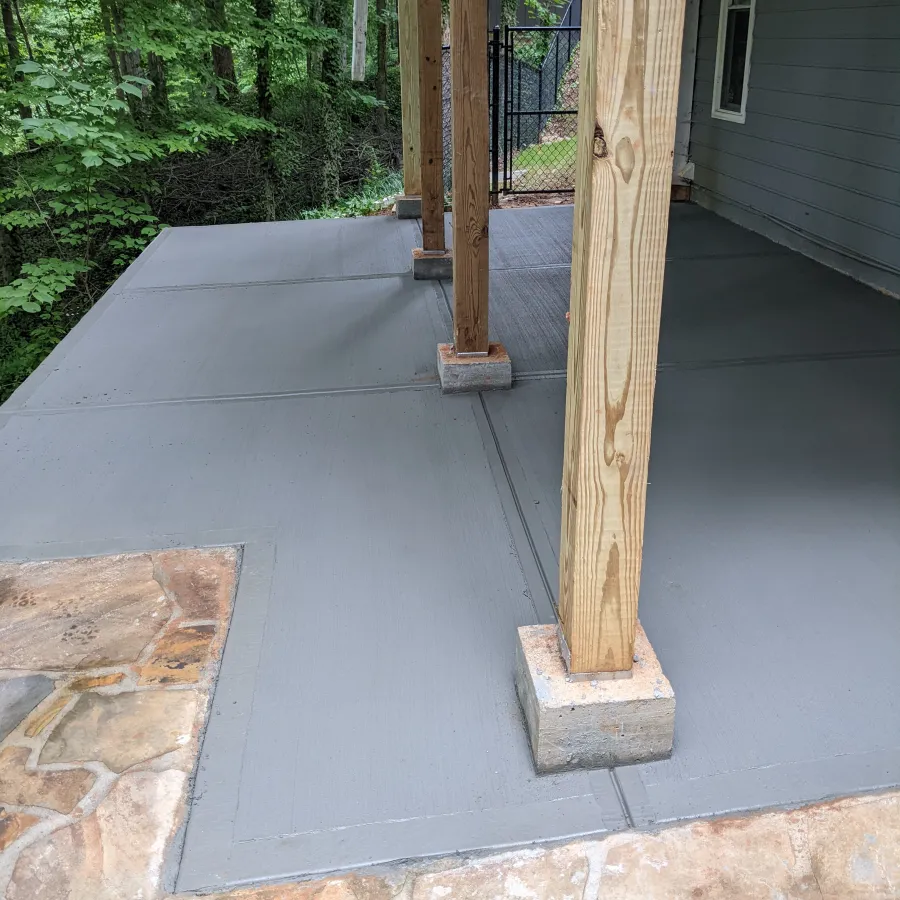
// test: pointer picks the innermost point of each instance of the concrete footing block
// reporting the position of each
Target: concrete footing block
(428, 266)
(576, 724)
(408, 207)
(459, 374)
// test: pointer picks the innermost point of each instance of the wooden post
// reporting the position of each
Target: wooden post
(360, 24)
(431, 125)
(471, 173)
(409, 96)
(630, 56)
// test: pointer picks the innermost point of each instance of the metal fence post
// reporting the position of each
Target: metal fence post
(495, 116)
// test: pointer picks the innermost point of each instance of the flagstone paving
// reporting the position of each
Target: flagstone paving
(106, 668)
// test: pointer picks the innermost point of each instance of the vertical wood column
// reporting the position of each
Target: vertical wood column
(431, 124)
(471, 173)
(407, 15)
(630, 59)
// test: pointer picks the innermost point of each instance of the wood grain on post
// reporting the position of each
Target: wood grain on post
(630, 59)
(431, 119)
(408, 27)
(471, 173)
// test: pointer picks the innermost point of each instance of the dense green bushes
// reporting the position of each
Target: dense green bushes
(118, 120)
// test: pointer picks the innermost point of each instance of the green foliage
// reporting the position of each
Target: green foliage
(375, 194)
(117, 116)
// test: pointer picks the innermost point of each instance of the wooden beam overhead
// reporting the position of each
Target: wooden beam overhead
(431, 123)
(630, 60)
(471, 173)
(408, 24)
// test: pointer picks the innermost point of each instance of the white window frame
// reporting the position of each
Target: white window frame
(731, 115)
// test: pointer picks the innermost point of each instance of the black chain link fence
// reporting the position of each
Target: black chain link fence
(533, 108)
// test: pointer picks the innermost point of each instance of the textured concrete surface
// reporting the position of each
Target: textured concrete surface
(468, 374)
(274, 402)
(592, 723)
(843, 850)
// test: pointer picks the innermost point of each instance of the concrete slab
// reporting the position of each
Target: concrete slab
(469, 374)
(371, 467)
(752, 517)
(247, 340)
(714, 310)
(281, 251)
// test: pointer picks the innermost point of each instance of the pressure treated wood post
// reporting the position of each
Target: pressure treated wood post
(471, 173)
(431, 125)
(409, 96)
(630, 59)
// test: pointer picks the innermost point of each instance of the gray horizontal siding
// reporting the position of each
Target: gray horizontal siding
(817, 162)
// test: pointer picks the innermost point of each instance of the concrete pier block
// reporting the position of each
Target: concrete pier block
(429, 266)
(408, 207)
(576, 724)
(474, 373)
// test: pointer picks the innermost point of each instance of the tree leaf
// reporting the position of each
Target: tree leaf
(28, 66)
(60, 100)
(130, 89)
(44, 81)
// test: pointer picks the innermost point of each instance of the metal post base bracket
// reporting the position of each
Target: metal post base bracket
(430, 265)
(591, 724)
(408, 207)
(462, 373)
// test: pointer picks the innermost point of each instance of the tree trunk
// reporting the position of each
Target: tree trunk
(106, 16)
(159, 93)
(265, 12)
(222, 56)
(333, 12)
(314, 54)
(12, 49)
(381, 67)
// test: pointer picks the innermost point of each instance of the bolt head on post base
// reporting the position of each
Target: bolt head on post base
(408, 207)
(579, 724)
(432, 265)
(459, 374)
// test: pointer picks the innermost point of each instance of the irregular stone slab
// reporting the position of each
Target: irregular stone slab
(201, 582)
(95, 681)
(854, 846)
(350, 887)
(13, 825)
(78, 613)
(180, 656)
(61, 791)
(116, 853)
(18, 697)
(123, 729)
(46, 715)
(560, 873)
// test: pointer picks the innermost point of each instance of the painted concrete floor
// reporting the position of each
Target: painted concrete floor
(275, 386)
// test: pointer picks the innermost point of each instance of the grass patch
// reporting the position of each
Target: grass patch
(547, 166)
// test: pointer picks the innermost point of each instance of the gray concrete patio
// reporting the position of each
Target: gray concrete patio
(275, 385)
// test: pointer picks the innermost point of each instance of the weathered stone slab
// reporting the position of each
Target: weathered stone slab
(588, 724)
(116, 853)
(201, 582)
(18, 697)
(78, 613)
(180, 656)
(90, 682)
(61, 791)
(123, 729)
(460, 374)
(13, 825)
(46, 714)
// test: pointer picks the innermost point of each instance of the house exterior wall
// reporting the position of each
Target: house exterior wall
(816, 164)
